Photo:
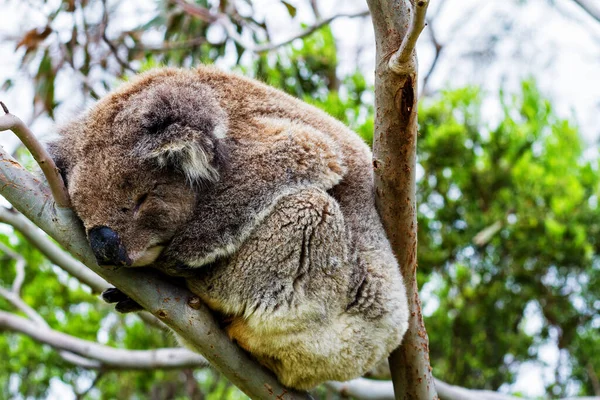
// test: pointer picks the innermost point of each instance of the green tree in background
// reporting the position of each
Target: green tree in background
(508, 228)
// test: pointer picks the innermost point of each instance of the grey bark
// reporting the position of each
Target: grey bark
(397, 24)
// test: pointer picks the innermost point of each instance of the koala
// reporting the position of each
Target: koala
(264, 204)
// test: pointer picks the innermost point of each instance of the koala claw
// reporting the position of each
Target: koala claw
(124, 303)
(127, 306)
(113, 295)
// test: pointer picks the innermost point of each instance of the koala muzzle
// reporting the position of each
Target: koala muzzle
(107, 246)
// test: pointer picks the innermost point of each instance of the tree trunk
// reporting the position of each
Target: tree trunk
(394, 162)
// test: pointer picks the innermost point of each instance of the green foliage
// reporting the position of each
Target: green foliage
(507, 221)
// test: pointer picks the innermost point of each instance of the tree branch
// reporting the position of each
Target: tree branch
(590, 7)
(438, 47)
(106, 356)
(19, 304)
(19, 268)
(394, 151)
(402, 58)
(225, 22)
(39, 153)
(163, 299)
(111, 46)
(54, 253)
(366, 389)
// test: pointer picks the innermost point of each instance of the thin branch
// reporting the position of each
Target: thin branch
(84, 393)
(109, 43)
(589, 367)
(438, 48)
(19, 304)
(19, 268)
(225, 22)
(364, 389)
(590, 7)
(39, 153)
(367, 389)
(52, 251)
(403, 56)
(109, 357)
(485, 235)
(162, 298)
(170, 46)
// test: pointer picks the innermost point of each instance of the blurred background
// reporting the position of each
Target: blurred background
(508, 183)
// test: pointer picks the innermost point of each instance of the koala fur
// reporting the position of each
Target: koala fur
(264, 203)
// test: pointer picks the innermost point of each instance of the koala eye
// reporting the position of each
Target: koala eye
(140, 201)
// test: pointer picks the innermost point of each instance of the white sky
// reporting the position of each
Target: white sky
(557, 44)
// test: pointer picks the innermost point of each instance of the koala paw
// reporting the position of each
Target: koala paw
(124, 303)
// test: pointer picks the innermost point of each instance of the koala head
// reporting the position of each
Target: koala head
(136, 164)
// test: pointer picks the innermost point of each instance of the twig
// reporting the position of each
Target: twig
(225, 22)
(484, 236)
(438, 47)
(590, 7)
(110, 44)
(19, 304)
(399, 60)
(81, 395)
(589, 368)
(170, 46)
(19, 268)
(41, 156)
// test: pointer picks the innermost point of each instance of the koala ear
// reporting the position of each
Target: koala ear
(60, 157)
(188, 154)
(183, 129)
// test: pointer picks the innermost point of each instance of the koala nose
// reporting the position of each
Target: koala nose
(107, 246)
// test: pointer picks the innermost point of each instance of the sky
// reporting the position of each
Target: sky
(554, 41)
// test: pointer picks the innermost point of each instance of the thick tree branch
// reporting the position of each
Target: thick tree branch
(394, 148)
(106, 356)
(163, 299)
(41, 156)
(230, 29)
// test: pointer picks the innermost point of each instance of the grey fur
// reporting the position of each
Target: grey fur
(269, 203)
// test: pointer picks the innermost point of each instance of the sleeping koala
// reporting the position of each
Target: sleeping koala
(263, 203)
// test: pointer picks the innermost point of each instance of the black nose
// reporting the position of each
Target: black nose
(107, 246)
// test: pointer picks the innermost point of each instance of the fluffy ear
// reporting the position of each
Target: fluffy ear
(184, 128)
(61, 158)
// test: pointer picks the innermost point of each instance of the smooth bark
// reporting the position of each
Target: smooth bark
(397, 24)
